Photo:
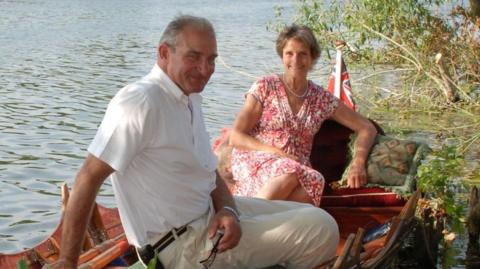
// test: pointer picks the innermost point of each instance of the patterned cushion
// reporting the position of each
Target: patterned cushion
(392, 164)
(390, 161)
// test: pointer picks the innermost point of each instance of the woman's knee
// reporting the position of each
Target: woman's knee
(300, 195)
(290, 179)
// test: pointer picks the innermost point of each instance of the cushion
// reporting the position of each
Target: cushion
(392, 164)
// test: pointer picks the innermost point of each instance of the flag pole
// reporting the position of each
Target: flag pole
(338, 67)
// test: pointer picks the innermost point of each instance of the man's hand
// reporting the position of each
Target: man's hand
(226, 221)
(357, 176)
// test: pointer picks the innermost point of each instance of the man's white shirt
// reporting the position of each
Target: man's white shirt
(154, 136)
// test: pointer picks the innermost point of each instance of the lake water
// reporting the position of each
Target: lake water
(60, 64)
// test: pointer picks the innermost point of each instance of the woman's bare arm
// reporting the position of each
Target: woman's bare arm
(246, 120)
(365, 137)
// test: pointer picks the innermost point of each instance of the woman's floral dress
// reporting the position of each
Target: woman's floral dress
(279, 127)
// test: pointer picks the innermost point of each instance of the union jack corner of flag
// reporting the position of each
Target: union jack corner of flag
(345, 93)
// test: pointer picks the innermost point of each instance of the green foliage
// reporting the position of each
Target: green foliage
(473, 177)
(436, 177)
(441, 49)
(349, 20)
(22, 264)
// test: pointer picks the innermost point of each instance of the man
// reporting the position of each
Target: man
(153, 145)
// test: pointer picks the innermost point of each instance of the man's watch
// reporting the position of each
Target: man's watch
(233, 211)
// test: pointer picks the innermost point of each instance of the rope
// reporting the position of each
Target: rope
(323, 71)
(220, 59)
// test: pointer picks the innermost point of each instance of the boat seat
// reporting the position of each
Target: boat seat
(330, 156)
(362, 197)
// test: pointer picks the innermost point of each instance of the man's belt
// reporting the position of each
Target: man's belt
(147, 253)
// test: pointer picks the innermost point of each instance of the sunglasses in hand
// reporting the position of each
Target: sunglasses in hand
(213, 253)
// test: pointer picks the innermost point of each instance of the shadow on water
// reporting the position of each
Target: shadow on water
(416, 252)
(424, 248)
(472, 260)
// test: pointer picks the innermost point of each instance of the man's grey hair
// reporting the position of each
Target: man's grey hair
(176, 26)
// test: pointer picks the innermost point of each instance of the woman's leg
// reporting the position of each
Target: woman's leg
(300, 195)
(284, 187)
(279, 188)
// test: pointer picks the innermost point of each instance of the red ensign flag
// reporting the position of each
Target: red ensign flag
(344, 92)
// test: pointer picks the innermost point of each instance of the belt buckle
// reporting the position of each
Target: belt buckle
(145, 254)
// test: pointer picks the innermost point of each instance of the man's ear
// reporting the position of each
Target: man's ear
(163, 51)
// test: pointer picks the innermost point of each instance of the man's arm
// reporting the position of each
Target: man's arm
(224, 218)
(79, 209)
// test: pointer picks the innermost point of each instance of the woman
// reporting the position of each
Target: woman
(273, 134)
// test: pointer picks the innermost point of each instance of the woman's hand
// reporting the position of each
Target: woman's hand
(284, 154)
(227, 222)
(357, 176)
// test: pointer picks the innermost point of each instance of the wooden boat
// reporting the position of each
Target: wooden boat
(330, 157)
(106, 243)
(105, 240)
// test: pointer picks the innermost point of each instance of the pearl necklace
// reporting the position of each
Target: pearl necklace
(292, 92)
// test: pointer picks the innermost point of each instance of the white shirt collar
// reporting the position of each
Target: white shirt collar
(170, 86)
